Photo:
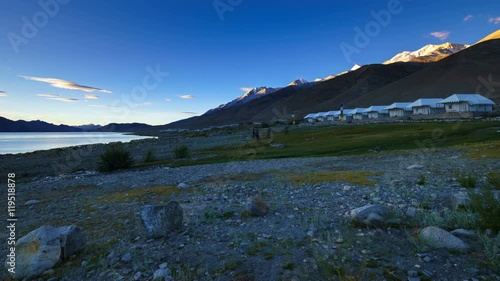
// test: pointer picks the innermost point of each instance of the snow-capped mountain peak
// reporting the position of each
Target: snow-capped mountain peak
(298, 82)
(428, 53)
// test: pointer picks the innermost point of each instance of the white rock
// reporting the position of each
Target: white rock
(464, 232)
(32, 202)
(182, 185)
(438, 238)
(415, 166)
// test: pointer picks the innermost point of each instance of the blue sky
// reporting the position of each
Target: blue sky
(80, 62)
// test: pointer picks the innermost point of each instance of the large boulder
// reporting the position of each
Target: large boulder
(36, 252)
(438, 238)
(160, 220)
(371, 215)
(73, 240)
(43, 248)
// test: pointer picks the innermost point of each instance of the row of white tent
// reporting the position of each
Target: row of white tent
(427, 106)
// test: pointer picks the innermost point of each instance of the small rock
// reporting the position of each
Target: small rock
(412, 273)
(49, 272)
(460, 199)
(137, 275)
(257, 207)
(371, 215)
(161, 274)
(182, 185)
(438, 238)
(464, 233)
(415, 166)
(32, 202)
(160, 220)
(411, 212)
(127, 257)
(164, 265)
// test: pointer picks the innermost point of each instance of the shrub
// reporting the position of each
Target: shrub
(467, 181)
(149, 157)
(116, 157)
(493, 179)
(181, 152)
(421, 180)
(487, 206)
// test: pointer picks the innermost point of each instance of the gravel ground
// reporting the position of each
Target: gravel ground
(307, 226)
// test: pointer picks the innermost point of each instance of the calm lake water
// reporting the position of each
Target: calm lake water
(28, 142)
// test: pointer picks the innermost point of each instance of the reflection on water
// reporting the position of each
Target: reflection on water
(28, 142)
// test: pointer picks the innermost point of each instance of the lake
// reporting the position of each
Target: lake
(29, 142)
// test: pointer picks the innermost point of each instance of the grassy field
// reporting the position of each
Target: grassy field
(355, 140)
(479, 139)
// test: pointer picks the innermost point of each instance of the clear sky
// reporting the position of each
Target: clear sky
(89, 61)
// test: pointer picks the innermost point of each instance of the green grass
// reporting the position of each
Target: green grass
(357, 139)
(467, 180)
(354, 177)
(493, 178)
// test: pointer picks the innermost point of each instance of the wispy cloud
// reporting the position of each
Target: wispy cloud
(103, 106)
(468, 17)
(64, 99)
(64, 84)
(48, 95)
(246, 89)
(91, 97)
(168, 100)
(187, 97)
(494, 20)
(441, 35)
(3, 94)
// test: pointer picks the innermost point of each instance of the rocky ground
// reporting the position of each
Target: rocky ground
(306, 234)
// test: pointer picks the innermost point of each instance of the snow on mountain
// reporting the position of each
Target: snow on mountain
(252, 94)
(428, 53)
(259, 92)
(298, 82)
(354, 68)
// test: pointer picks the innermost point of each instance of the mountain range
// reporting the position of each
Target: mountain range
(434, 71)
(7, 125)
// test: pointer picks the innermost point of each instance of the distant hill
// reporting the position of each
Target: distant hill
(88, 127)
(126, 127)
(7, 125)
